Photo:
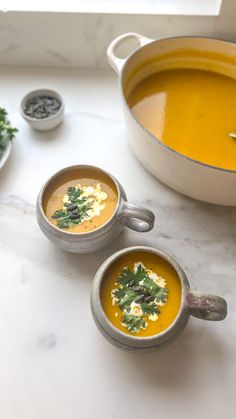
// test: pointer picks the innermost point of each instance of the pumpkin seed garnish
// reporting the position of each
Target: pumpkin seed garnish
(40, 107)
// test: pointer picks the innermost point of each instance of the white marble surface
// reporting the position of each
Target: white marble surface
(81, 39)
(54, 364)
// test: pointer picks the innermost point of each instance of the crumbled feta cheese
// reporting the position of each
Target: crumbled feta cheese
(153, 317)
(88, 190)
(135, 309)
(65, 199)
(114, 301)
(152, 275)
(161, 282)
(103, 196)
(160, 303)
(98, 187)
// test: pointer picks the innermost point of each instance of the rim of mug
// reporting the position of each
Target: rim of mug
(117, 255)
(74, 167)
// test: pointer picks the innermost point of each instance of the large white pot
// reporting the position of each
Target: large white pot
(188, 176)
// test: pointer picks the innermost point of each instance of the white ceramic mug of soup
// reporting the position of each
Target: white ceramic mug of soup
(82, 208)
(141, 300)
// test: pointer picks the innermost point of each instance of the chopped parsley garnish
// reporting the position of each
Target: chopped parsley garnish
(139, 296)
(74, 211)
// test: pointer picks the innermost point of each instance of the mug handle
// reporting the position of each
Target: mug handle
(206, 306)
(137, 218)
(116, 62)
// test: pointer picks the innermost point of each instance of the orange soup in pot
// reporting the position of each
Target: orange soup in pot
(190, 110)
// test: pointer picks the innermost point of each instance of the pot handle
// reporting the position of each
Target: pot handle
(136, 217)
(117, 63)
(206, 306)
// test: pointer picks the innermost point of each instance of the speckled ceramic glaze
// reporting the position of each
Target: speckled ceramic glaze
(126, 214)
(197, 304)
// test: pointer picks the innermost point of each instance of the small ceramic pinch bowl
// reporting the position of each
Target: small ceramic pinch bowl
(46, 123)
(197, 304)
(123, 213)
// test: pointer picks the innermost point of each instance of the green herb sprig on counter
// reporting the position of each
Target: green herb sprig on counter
(7, 132)
(75, 210)
(136, 286)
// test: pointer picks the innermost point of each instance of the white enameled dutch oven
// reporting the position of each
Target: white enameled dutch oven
(190, 177)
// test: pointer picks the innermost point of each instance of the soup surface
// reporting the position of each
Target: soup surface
(81, 201)
(191, 111)
(141, 294)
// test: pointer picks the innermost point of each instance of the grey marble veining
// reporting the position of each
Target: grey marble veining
(81, 39)
(53, 360)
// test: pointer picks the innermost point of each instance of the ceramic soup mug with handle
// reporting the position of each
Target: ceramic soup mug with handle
(125, 214)
(195, 303)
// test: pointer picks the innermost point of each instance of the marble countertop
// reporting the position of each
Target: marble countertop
(54, 364)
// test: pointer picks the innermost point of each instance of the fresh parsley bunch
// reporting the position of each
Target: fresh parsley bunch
(6, 130)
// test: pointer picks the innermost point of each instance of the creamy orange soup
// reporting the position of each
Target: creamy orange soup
(80, 201)
(191, 111)
(141, 294)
